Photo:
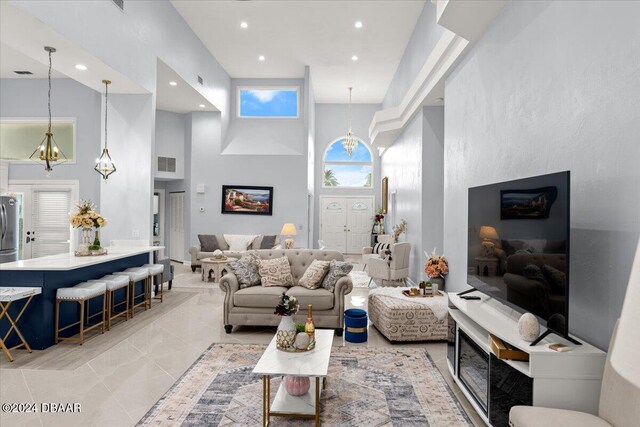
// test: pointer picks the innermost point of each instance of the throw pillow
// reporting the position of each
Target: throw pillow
(557, 278)
(275, 272)
(380, 247)
(208, 242)
(268, 242)
(533, 272)
(246, 270)
(337, 269)
(312, 277)
(239, 242)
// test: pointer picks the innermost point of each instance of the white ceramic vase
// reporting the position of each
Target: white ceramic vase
(528, 327)
(286, 335)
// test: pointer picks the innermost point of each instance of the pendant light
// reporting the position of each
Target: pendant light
(104, 164)
(48, 151)
(350, 141)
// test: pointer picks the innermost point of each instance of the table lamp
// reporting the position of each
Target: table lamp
(487, 234)
(288, 230)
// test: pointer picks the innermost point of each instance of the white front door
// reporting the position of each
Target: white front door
(44, 218)
(176, 226)
(345, 223)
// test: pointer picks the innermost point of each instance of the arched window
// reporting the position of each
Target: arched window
(343, 170)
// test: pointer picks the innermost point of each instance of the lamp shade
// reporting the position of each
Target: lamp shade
(288, 230)
(488, 232)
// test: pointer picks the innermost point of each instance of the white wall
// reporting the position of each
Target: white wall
(331, 124)
(170, 142)
(27, 98)
(554, 86)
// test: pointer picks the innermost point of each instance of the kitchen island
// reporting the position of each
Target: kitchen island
(60, 271)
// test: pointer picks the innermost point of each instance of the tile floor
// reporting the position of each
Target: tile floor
(117, 377)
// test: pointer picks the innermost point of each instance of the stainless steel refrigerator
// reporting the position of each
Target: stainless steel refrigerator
(8, 229)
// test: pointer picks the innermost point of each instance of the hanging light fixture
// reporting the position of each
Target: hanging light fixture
(48, 151)
(104, 164)
(350, 141)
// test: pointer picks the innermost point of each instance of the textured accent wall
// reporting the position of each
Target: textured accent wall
(554, 86)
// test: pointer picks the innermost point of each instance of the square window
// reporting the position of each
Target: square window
(276, 102)
(20, 137)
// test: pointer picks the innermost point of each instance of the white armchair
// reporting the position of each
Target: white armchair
(620, 391)
(368, 253)
(397, 269)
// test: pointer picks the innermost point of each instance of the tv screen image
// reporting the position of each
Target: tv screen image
(518, 245)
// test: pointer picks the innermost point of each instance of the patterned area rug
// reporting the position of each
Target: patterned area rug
(366, 387)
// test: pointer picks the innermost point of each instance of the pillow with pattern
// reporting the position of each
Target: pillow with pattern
(337, 269)
(312, 277)
(246, 270)
(275, 272)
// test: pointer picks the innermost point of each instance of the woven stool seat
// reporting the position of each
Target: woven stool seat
(113, 281)
(82, 291)
(135, 274)
(154, 268)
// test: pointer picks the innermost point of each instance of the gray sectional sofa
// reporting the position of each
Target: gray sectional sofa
(255, 305)
(198, 254)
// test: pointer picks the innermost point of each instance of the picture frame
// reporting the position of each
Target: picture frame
(247, 200)
(532, 203)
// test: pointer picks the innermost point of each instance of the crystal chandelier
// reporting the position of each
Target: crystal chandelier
(104, 164)
(48, 151)
(350, 141)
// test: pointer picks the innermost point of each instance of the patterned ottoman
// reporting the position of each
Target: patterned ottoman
(401, 318)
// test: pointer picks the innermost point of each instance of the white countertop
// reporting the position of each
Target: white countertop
(68, 261)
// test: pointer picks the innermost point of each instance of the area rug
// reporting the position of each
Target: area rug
(360, 279)
(366, 387)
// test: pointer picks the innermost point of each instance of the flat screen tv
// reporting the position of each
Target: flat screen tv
(518, 246)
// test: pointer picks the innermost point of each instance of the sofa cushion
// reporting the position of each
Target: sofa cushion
(259, 297)
(268, 242)
(246, 270)
(239, 242)
(321, 299)
(275, 272)
(557, 278)
(208, 242)
(312, 278)
(337, 269)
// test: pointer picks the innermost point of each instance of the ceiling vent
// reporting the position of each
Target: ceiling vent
(119, 3)
(200, 81)
(23, 72)
(166, 164)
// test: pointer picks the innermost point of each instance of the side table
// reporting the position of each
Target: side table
(7, 297)
(215, 266)
(486, 266)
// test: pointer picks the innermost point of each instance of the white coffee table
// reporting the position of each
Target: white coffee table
(314, 364)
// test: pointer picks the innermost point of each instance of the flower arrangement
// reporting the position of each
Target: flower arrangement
(436, 265)
(288, 306)
(379, 216)
(399, 229)
(85, 216)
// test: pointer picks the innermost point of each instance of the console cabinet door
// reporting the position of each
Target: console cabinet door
(508, 387)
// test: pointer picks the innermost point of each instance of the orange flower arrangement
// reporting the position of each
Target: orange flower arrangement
(436, 265)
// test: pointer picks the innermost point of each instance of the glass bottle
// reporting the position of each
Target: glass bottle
(309, 327)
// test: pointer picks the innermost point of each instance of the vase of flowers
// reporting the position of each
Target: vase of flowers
(286, 335)
(399, 229)
(378, 222)
(436, 268)
(85, 218)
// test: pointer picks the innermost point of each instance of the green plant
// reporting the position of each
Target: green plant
(330, 179)
(299, 327)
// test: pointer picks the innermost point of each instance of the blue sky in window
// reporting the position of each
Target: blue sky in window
(268, 103)
(337, 153)
(350, 175)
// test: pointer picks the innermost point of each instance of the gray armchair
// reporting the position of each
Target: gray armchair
(395, 269)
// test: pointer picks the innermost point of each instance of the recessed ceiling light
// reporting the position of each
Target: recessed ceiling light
(81, 67)
(358, 24)
(244, 25)
(202, 106)
(173, 84)
(354, 58)
(261, 58)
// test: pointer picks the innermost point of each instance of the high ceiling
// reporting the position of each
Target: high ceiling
(320, 34)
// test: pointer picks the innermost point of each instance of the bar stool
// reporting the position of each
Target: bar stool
(156, 270)
(81, 293)
(114, 283)
(137, 274)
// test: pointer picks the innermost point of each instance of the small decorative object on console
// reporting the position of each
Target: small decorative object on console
(296, 386)
(86, 218)
(286, 334)
(559, 347)
(219, 255)
(528, 327)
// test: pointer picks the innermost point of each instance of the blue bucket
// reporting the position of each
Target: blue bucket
(355, 325)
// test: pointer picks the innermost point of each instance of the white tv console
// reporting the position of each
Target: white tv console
(567, 380)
